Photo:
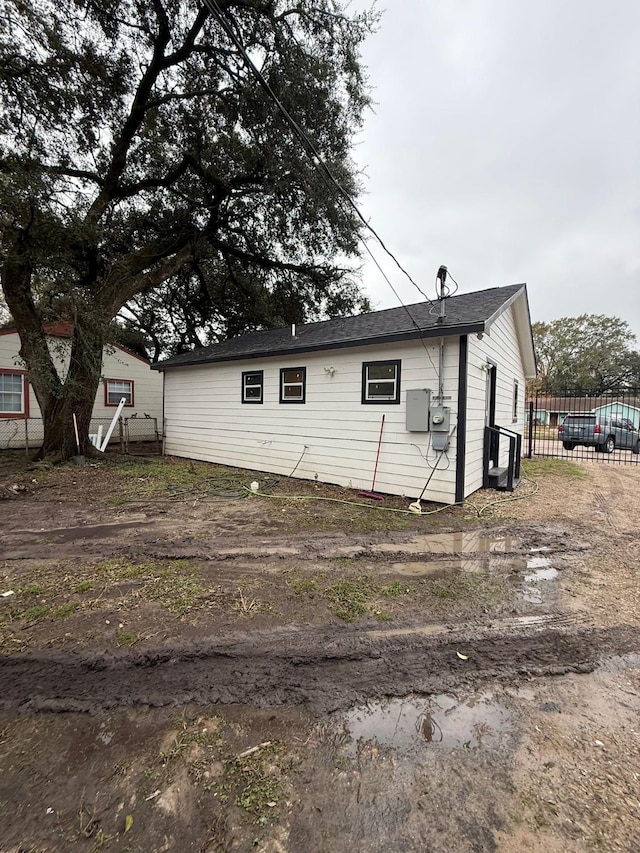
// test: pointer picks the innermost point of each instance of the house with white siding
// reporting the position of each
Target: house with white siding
(125, 374)
(428, 393)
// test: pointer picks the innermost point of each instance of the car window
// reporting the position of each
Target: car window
(580, 418)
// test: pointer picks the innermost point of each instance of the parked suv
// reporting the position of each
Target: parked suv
(603, 434)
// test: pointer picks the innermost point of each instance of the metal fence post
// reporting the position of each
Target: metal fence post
(532, 427)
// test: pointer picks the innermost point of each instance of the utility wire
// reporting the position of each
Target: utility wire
(410, 315)
(309, 147)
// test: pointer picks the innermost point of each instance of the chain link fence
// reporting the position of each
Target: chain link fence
(135, 434)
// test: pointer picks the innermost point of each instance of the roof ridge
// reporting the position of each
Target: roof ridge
(466, 313)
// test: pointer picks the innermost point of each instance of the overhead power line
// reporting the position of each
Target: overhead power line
(308, 145)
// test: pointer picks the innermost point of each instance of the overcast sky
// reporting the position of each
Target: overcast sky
(505, 144)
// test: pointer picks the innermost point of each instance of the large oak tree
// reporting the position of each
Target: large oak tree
(144, 171)
(586, 354)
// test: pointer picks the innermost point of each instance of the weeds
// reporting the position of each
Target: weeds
(478, 589)
(246, 605)
(255, 781)
(174, 592)
(35, 613)
(558, 467)
(301, 586)
(351, 599)
(33, 590)
(127, 639)
(66, 609)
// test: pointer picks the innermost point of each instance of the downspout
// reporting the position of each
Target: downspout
(164, 431)
(461, 437)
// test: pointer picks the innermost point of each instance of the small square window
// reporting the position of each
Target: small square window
(252, 385)
(116, 389)
(381, 381)
(12, 394)
(293, 382)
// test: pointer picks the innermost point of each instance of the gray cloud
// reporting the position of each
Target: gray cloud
(505, 144)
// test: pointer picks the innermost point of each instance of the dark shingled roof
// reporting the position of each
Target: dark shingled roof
(469, 312)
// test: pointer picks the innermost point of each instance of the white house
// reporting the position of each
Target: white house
(124, 374)
(425, 397)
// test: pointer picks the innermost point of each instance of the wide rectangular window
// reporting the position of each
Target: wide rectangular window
(381, 381)
(252, 385)
(12, 394)
(293, 381)
(116, 389)
(516, 391)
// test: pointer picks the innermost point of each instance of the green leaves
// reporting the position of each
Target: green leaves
(142, 165)
(586, 353)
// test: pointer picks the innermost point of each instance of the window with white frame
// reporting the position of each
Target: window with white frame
(293, 381)
(252, 385)
(516, 391)
(12, 394)
(116, 389)
(381, 381)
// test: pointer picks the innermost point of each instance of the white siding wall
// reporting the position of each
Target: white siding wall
(116, 364)
(501, 347)
(206, 420)
(9, 359)
(147, 385)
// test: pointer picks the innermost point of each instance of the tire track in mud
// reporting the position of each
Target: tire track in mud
(314, 668)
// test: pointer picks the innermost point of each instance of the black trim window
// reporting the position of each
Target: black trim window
(252, 386)
(293, 384)
(516, 391)
(381, 381)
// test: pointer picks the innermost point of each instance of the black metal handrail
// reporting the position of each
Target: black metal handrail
(515, 453)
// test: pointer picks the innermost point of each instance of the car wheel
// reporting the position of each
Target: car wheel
(636, 449)
(568, 445)
(609, 445)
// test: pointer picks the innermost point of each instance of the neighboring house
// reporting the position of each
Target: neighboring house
(551, 411)
(125, 374)
(311, 399)
(620, 409)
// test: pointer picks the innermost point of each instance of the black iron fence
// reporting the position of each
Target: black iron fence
(602, 427)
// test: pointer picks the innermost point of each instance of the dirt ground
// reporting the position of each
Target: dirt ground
(187, 666)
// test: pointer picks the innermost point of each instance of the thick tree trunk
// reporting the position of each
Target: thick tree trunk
(59, 395)
(76, 396)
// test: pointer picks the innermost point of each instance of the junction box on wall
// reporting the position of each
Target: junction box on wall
(417, 409)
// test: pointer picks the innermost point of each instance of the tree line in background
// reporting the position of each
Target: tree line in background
(586, 354)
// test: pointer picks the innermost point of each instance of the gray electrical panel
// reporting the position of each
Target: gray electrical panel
(417, 409)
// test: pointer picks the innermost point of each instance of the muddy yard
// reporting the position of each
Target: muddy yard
(188, 666)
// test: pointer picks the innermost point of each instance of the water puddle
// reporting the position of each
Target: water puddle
(464, 542)
(489, 563)
(538, 569)
(260, 551)
(413, 724)
(89, 531)
(541, 621)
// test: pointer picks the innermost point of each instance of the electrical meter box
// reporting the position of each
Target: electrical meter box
(417, 409)
(440, 419)
(439, 422)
